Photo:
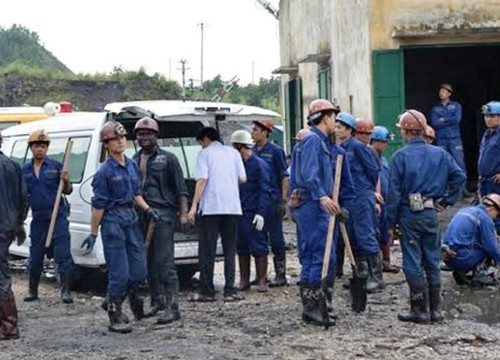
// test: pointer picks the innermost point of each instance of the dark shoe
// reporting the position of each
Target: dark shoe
(197, 297)
(136, 305)
(66, 281)
(104, 306)
(244, 264)
(116, 322)
(261, 270)
(280, 270)
(460, 277)
(34, 280)
(8, 318)
(375, 282)
(313, 303)
(434, 302)
(171, 312)
(157, 305)
(418, 311)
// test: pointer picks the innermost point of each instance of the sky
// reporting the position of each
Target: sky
(240, 37)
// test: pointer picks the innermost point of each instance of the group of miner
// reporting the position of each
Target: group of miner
(241, 195)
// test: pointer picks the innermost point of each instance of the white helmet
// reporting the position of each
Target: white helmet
(242, 137)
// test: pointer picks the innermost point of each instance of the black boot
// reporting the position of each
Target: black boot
(171, 312)
(136, 305)
(116, 322)
(418, 302)
(280, 270)
(104, 306)
(66, 281)
(34, 280)
(313, 302)
(329, 299)
(434, 301)
(375, 282)
(157, 304)
(244, 264)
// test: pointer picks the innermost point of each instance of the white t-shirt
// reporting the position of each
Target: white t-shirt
(222, 167)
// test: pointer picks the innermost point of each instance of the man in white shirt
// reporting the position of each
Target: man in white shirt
(220, 171)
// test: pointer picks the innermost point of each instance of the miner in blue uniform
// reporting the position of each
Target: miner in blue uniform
(489, 151)
(470, 238)
(423, 180)
(165, 191)
(362, 222)
(312, 206)
(14, 208)
(445, 119)
(276, 160)
(42, 176)
(117, 189)
(255, 197)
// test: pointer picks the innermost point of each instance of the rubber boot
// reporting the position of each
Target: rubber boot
(171, 312)
(157, 304)
(313, 302)
(34, 280)
(418, 307)
(66, 281)
(261, 270)
(329, 299)
(375, 282)
(280, 270)
(434, 302)
(8, 318)
(244, 263)
(386, 259)
(116, 323)
(104, 306)
(136, 305)
(339, 266)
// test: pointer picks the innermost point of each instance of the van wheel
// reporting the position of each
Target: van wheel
(90, 279)
(185, 274)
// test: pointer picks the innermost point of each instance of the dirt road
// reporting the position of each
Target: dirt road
(263, 326)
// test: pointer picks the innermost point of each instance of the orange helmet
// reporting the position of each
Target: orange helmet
(265, 124)
(492, 200)
(301, 134)
(430, 133)
(318, 107)
(364, 125)
(412, 120)
(111, 130)
(146, 123)
(39, 135)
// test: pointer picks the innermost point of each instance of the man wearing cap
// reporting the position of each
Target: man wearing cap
(165, 191)
(470, 239)
(275, 158)
(14, 208)
(42, 175)
(117, 188)
(489, 151)
(445, 119)
(423, 180)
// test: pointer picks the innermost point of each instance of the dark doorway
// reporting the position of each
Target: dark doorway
(473, 71)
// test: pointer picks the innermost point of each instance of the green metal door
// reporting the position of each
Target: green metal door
(293, 111)
(325, 83)
(388, 92)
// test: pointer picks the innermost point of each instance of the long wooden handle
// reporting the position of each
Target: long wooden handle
(149, 234)
(347, 244)
(331, 222)
(55, 210)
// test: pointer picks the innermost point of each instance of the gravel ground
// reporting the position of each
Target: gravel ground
(263, 326)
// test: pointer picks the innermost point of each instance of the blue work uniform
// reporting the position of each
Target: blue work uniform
(471, 234)
(115, 187)
(448, 130)
(362, 222)
(276, 161)
(429, 170)
(255, 197)
(383, 227)
(489, 162)
(42, 192)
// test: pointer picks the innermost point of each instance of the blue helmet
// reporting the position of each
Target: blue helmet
(491, 108)
(380, 133)
(346, 119)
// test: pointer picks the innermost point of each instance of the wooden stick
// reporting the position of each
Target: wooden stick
(149, 234)
(347, 244)
(55, 210)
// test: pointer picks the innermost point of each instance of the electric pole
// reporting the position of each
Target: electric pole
(183, 72)
(201, 25)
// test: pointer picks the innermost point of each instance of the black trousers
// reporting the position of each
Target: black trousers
(211, 226)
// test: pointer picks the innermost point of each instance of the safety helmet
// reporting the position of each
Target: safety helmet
(346, 119)
(492, 200)
(491, 108)
(318, 108)
(265, 124)
(39, 135)
(446, 87)
(380, 133)
(301, 134)
(146, 123)
(111, 130)
(241, 137)
(412, 120)
(430, 133)
(364, 125)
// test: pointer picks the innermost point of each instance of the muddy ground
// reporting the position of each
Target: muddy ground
(263, 326)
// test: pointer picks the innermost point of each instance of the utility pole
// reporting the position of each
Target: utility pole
(253, 72)
(201, 25)
(183, 72)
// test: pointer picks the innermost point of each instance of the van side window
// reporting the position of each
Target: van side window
(20, 152)
(186, 150)
(79, 154)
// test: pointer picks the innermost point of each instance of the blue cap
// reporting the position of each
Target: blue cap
(346, 119)
(380, 133)
(491, 108)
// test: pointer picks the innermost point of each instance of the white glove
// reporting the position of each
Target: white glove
(258, 221)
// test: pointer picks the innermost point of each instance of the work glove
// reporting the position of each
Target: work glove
(153, 215)
(343, 214)
(258, 221)
(20, 235)
(88, 243)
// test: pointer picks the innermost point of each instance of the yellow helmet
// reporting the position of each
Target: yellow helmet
(39, 135)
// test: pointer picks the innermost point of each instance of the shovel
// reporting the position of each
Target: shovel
(149, 235)
(329, 239)
(357, 284)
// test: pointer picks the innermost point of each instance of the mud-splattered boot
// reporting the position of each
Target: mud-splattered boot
(313, 302)
(280, 270)
(434, 302)
(136, 305)
(116, 322)
(375, 282)
(418, 307)
(171, 312)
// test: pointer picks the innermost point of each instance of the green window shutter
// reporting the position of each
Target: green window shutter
(293, 110)
(388, 92)
(324, 83)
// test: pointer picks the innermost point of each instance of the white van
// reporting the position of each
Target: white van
(179, 123)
